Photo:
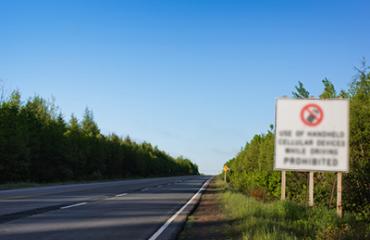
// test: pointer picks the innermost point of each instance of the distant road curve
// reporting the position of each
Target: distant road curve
(128, 209)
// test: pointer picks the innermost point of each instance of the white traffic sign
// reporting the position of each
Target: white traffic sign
(312, 135)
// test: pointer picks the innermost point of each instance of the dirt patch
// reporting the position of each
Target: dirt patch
(207, 221)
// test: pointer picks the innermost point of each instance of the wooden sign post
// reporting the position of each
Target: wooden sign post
(339, 195)
(283, 184)
(310, 190)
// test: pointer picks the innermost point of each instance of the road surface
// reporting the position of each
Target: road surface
(129, 209)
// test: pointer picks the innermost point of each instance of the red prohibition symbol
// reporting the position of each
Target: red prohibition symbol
(312, 115)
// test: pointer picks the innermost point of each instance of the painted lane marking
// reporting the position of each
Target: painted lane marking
(121, 195)
(169, 221)
(74, 205)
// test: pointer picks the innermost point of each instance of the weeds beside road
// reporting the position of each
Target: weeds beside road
(244, 217)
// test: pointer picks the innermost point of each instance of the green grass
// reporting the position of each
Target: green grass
(254, 219)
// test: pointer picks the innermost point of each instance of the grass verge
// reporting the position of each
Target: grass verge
(254, 219)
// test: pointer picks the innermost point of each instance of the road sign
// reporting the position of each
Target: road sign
(312, 135)
(312, 115)
(226, 169)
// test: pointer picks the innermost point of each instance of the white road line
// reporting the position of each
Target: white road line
(74, 205)
(121, 195)
(169, 221)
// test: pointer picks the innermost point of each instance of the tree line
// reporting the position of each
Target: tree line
(252, 168)
(38, 145)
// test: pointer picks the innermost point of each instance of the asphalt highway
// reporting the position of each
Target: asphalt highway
(128, 209)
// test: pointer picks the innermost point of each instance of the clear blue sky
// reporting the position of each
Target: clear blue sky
(197, 78)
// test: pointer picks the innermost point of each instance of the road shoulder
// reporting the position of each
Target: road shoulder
(207, 221)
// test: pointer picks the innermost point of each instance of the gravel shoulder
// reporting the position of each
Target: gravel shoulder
(207, 221)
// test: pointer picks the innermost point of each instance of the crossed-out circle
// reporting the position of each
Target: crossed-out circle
(312, 114)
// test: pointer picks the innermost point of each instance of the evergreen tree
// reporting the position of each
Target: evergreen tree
(329, 90)
(357, 182)
(89, 127)
(36, 144)
(300, 91)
